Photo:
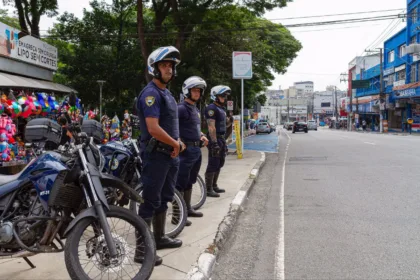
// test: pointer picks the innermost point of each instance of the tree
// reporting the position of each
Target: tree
(184, 17)
(11, 21)
(30, 12)
(100, 46)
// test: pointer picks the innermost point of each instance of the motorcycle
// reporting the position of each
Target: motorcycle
(59, 195)
(122, 160)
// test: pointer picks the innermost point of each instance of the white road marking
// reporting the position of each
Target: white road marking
(280, 275)
(370, 143)
(240, 196)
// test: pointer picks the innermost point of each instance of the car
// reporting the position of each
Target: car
(273, 127)
(312, 125)
(263, 127)
(300, 126)
(289, 126)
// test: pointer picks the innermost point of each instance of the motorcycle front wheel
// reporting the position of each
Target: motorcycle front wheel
(86, 252)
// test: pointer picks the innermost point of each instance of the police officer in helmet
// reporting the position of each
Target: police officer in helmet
(191, 135)
(160, 145)
(216, 121)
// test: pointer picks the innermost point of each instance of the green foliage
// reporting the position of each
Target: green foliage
(30, 13)
(10, 21)
(104, 45)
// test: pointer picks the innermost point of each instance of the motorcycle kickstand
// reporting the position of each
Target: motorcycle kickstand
(29, 262)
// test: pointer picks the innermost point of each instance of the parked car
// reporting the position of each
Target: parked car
(263, 127)
(300, 126)
(273, 127)
(289, 126)
(312, 125)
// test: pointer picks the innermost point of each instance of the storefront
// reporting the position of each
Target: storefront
(27, 91)
(404, 103)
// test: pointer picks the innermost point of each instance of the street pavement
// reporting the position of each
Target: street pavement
(350, 209)
(176, 262)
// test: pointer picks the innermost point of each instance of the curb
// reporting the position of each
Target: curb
(204, 266)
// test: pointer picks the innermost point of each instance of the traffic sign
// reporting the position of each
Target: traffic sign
(230, 105)
(242, 65)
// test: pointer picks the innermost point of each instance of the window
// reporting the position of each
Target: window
(413, 73)
(413, 40)
(414, 14)
(418, 72)
(391, 56)
(402, 50)
(390, 80)
(401, 75)
(326, 104)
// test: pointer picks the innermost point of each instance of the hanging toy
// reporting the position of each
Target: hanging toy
(3, 146)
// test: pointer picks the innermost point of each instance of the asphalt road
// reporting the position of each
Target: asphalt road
(350, 210)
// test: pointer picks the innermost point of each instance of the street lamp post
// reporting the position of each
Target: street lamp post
(101, 84)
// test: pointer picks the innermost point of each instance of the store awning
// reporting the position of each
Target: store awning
(13, 81)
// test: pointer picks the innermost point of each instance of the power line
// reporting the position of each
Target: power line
(308, 24)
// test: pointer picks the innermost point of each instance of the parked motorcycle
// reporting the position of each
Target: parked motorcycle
(122, 160)
(60, 195)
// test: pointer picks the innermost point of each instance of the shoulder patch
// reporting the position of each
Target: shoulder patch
(211, 113)
(150, 100)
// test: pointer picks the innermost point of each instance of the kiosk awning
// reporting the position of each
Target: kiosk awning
(13, 81)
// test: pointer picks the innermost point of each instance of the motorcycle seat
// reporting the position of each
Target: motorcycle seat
(4, 179)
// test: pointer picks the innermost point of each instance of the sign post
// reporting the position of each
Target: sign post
(242, 69)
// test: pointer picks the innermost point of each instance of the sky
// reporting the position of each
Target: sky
(325, 53)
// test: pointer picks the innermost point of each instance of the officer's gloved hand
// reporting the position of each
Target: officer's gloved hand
(215, 149)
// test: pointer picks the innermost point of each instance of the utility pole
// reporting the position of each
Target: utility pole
(381, 94)
(101, 84)
(288, 105)
(335, 109)
(344, 78)
(381, 91)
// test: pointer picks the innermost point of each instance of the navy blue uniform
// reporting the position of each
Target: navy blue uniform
(190, 133)
(159, 171)
(218, 114)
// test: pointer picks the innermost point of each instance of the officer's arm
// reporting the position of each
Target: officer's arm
(211, 123)
(157, 132)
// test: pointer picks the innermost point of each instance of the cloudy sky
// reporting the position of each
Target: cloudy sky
(327, 50)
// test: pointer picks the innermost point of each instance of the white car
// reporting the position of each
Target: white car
(312, 125)
(263, 127)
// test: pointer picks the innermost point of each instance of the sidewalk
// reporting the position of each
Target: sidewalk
(176, 262)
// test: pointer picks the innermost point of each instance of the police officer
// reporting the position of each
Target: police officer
(191, 135)
(216, 121)
(160, 144)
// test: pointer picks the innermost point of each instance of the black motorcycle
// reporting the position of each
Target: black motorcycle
(59, 195)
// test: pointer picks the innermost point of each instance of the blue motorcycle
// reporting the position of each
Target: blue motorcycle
(60, 195)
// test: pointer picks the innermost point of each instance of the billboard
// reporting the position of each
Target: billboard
(18, 45)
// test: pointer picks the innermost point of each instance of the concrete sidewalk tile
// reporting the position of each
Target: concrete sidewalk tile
(163, 272)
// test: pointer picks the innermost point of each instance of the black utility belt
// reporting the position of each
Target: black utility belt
(192, 144)
(221, 136)
(155, 145)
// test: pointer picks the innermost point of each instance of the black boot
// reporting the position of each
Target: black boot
(162, 241)
(209, 177)
(191, 211)
(176, 212)
(139, 254)
(215, 187)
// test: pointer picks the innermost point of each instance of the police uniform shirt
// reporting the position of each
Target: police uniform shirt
(155, 102)
(214, 112)
(189, 122)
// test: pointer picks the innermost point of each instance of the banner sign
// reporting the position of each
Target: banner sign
(20, 46)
